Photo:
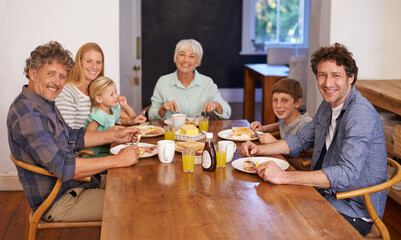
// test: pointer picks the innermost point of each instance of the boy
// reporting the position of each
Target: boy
(287, 98)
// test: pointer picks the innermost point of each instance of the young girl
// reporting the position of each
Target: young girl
(105, 111)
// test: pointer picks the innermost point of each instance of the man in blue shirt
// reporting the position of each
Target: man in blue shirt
(347, 136)
(38, 135)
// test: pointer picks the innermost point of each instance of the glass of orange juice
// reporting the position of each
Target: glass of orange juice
(221, 155)
(169, 132)
(204, 123)
(188, 159)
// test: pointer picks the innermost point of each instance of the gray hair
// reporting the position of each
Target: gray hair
(190, 44)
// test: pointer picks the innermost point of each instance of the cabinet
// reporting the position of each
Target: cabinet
(385, 94)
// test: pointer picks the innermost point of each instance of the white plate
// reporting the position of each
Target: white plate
(117, 149)
(169, 120)
(239, 163)
(226, 134)
(150, 135)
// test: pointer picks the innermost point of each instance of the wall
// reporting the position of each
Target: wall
(26, 24)
(215, 24)
(369, 28)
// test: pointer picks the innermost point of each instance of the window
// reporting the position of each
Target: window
(274, 23)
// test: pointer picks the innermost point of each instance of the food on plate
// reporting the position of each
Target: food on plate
(197, 146)
(242, 133)
(143, 150)
(189, 130)
(250, 165)
(149, 130)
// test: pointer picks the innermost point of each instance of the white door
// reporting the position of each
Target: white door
(130, 53)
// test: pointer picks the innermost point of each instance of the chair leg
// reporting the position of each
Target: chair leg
(27, 225)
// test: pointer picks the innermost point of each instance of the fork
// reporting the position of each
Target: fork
(251, 162)
(137, 141)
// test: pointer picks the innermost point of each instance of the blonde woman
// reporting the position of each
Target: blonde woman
(73, 102)
(105, 111)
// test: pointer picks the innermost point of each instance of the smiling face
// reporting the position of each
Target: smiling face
(333, 83)
(285, 107)
(108, 98)
(92, 64)
(186, 61)
(48, 81)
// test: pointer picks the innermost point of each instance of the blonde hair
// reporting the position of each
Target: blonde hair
(76, 76)
(97, 87)
(190, 44)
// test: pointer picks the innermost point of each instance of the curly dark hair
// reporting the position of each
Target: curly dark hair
(47, 54)
(338, 53)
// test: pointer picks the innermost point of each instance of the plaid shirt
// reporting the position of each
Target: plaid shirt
(38, 135)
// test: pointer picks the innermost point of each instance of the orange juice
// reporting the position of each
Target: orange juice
(203, 125)
(221, 158)
(169, 135)
(188, 162)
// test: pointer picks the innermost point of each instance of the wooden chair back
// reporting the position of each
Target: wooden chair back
(394, 179)
(33, 221)
(145, 111)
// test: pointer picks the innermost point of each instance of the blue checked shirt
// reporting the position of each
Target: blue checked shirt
(357, 156)
(38, 135)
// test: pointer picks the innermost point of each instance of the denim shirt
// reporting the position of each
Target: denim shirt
(357, 156)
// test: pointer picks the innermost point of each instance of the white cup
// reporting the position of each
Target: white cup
(166, 150)
(178, 120)
(231, 148)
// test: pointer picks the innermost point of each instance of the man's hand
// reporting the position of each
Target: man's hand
(270, 172)
(125, 134)
(128, 156)
(256, 126)
(266, 138)
(249, 149)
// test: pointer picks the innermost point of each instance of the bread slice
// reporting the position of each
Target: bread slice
(242, 133)
(197, 146)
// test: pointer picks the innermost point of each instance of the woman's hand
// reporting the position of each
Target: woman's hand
(256, 126)
(139, 119)
(213, 106)
(170, 106)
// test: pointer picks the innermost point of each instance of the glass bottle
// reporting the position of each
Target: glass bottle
(209, 154)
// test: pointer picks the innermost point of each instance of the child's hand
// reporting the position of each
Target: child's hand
(139, 119)
(256, 126)
(266, 138)
(122, 101)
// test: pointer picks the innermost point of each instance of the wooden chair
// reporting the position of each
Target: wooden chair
(145, 111)
(394, 179)
(33, 220)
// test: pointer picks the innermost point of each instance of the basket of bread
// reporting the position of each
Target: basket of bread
(188, 132)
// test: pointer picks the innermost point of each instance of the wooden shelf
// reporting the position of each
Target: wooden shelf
(384, 94)
(390, 149)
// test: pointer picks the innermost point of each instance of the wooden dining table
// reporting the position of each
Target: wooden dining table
(154, 200)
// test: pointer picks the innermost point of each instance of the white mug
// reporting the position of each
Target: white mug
(231, 148)
(178, 120)
(166, 150)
